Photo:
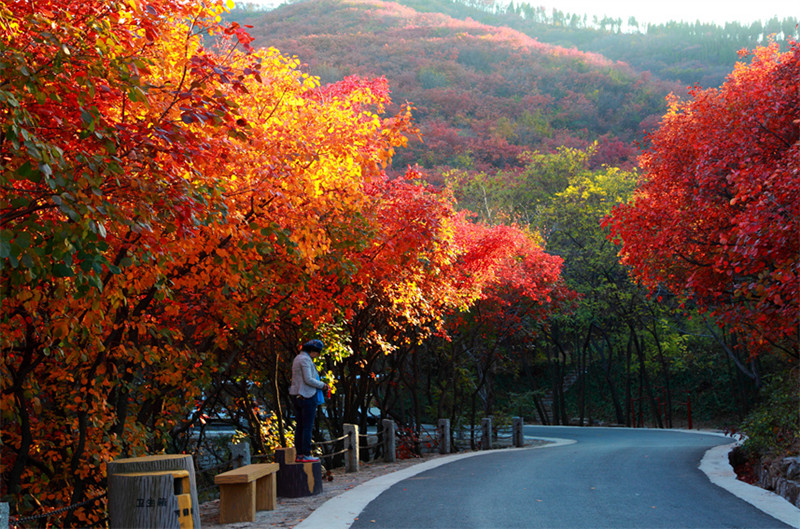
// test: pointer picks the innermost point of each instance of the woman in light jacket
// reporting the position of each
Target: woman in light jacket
(303, 391)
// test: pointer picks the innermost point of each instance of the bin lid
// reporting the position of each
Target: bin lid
(156, 457)
(173, 473)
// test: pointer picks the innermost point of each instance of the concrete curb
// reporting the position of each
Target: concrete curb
(715, 465)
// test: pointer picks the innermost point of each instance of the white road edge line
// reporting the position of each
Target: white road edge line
(341, 511)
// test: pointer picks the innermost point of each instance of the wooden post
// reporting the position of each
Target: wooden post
(517, 439)
(444, 436)
(142, 492)
(351, 457)
(389, 443)
(486, 433)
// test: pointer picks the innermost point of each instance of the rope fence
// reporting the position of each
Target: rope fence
(366, 445)
(20, 522)
(487, 437)
(505, 433)
(330, 443)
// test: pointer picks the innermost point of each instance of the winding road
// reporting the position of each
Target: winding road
(594, 478)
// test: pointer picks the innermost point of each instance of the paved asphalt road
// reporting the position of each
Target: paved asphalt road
(609, 478)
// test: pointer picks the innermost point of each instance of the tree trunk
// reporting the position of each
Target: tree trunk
(646, 383)
(472, 421)
(612, 387)
(276, 393)
(628, 393)
(665, 372)
(562, 401)
(582, 378)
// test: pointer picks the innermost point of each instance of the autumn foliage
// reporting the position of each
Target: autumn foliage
(171, 198)
(716, 215)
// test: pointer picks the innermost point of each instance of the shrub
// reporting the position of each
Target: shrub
(773, 427)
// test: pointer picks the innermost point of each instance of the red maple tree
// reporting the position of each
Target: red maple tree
(716, 214)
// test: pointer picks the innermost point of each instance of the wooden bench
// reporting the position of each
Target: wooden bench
(245, 490)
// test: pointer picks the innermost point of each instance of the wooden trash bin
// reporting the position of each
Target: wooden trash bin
(150, 499)
(157, 492)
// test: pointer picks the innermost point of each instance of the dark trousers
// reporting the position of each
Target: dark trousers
(304, 412)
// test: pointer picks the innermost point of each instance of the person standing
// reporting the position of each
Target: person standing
(304, 391)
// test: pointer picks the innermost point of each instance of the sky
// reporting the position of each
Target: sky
(655, 12)
(717, 11)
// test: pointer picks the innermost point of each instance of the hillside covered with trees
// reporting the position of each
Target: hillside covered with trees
(691, 53)
(482, 94)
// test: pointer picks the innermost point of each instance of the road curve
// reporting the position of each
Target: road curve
(600, 478)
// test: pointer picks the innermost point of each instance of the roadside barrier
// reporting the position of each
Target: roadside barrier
(403, 443)
(385, 442)
(485, 436)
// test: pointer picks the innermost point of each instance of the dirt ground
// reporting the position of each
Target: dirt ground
(292, 511)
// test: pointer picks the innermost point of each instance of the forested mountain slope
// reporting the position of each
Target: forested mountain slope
(691, 53)
(482, 94)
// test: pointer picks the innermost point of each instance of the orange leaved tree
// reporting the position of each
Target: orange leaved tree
(162, 204)
(99, 156)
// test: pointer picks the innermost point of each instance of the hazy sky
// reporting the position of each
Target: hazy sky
(717, 11)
